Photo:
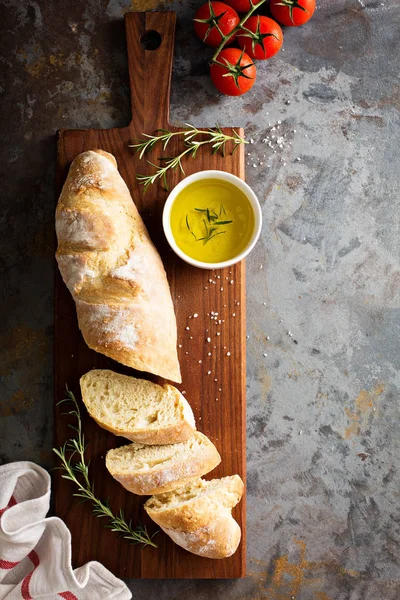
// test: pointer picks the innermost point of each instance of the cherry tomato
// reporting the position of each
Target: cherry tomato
(213, 15)
(292, 12)
(263, 39)
(242, 6)
(235, 72)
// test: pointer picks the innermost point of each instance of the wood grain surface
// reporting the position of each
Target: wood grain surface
(218, 397)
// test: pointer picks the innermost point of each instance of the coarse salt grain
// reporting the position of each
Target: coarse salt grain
(195, 315)
(208, 372)
(187, 328)
(208, 339)
(228, 353)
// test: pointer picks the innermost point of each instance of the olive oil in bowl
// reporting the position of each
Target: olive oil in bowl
(212, 220)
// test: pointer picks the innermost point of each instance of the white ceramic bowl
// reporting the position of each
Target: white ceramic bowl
(223, 176)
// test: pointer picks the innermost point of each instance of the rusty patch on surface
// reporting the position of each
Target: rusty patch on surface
(393, 99)
(253, 107)
(18, 404)
(373, 118)
(293, 181)
(363, 456)
(364, 408)
(288, 579)
(265, 383)
(23, 343)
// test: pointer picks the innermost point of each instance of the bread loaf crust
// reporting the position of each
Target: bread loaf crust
(113, 270)
(203, 524)
(168, 476)
(219, 539)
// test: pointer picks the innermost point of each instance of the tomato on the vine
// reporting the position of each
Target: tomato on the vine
(261, 38)
(242, 6)
(292, 12)
(215, 18)
(233, 73)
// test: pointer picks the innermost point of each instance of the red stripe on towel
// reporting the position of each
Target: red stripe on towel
(7, 564)
(34, 557)
(68, 596)
(25, 587)
(12, 502)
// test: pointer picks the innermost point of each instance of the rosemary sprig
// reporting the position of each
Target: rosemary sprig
(210, 225)
(78, 473)
(193, 138)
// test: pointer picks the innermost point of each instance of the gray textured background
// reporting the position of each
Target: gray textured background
(323, 282)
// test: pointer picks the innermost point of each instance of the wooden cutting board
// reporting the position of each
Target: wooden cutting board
(218, 398)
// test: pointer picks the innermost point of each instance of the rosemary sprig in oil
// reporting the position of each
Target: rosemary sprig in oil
(78, 473)
(193, 139)
(211, 223)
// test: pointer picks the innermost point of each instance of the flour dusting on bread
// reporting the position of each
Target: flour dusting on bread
(129, 270)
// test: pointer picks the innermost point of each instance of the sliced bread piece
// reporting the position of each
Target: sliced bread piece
(198, 516)
(137, 409)
(146, 470)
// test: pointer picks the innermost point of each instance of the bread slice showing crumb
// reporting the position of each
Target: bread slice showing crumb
(146, 470)
(198, 516)
(137, 409)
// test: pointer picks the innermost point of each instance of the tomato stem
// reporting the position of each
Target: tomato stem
(238, 27)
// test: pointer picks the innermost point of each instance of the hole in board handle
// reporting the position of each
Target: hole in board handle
(151, 40)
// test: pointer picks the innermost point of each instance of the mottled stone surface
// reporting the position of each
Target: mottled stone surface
(323, 282)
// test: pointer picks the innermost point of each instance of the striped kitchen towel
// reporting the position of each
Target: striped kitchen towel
(35, 552)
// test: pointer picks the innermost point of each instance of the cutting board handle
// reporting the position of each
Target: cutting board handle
(150, 69)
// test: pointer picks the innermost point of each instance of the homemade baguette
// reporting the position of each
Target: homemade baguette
(146, 470)
(198, 516)
(113, 270)
(137, 409)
